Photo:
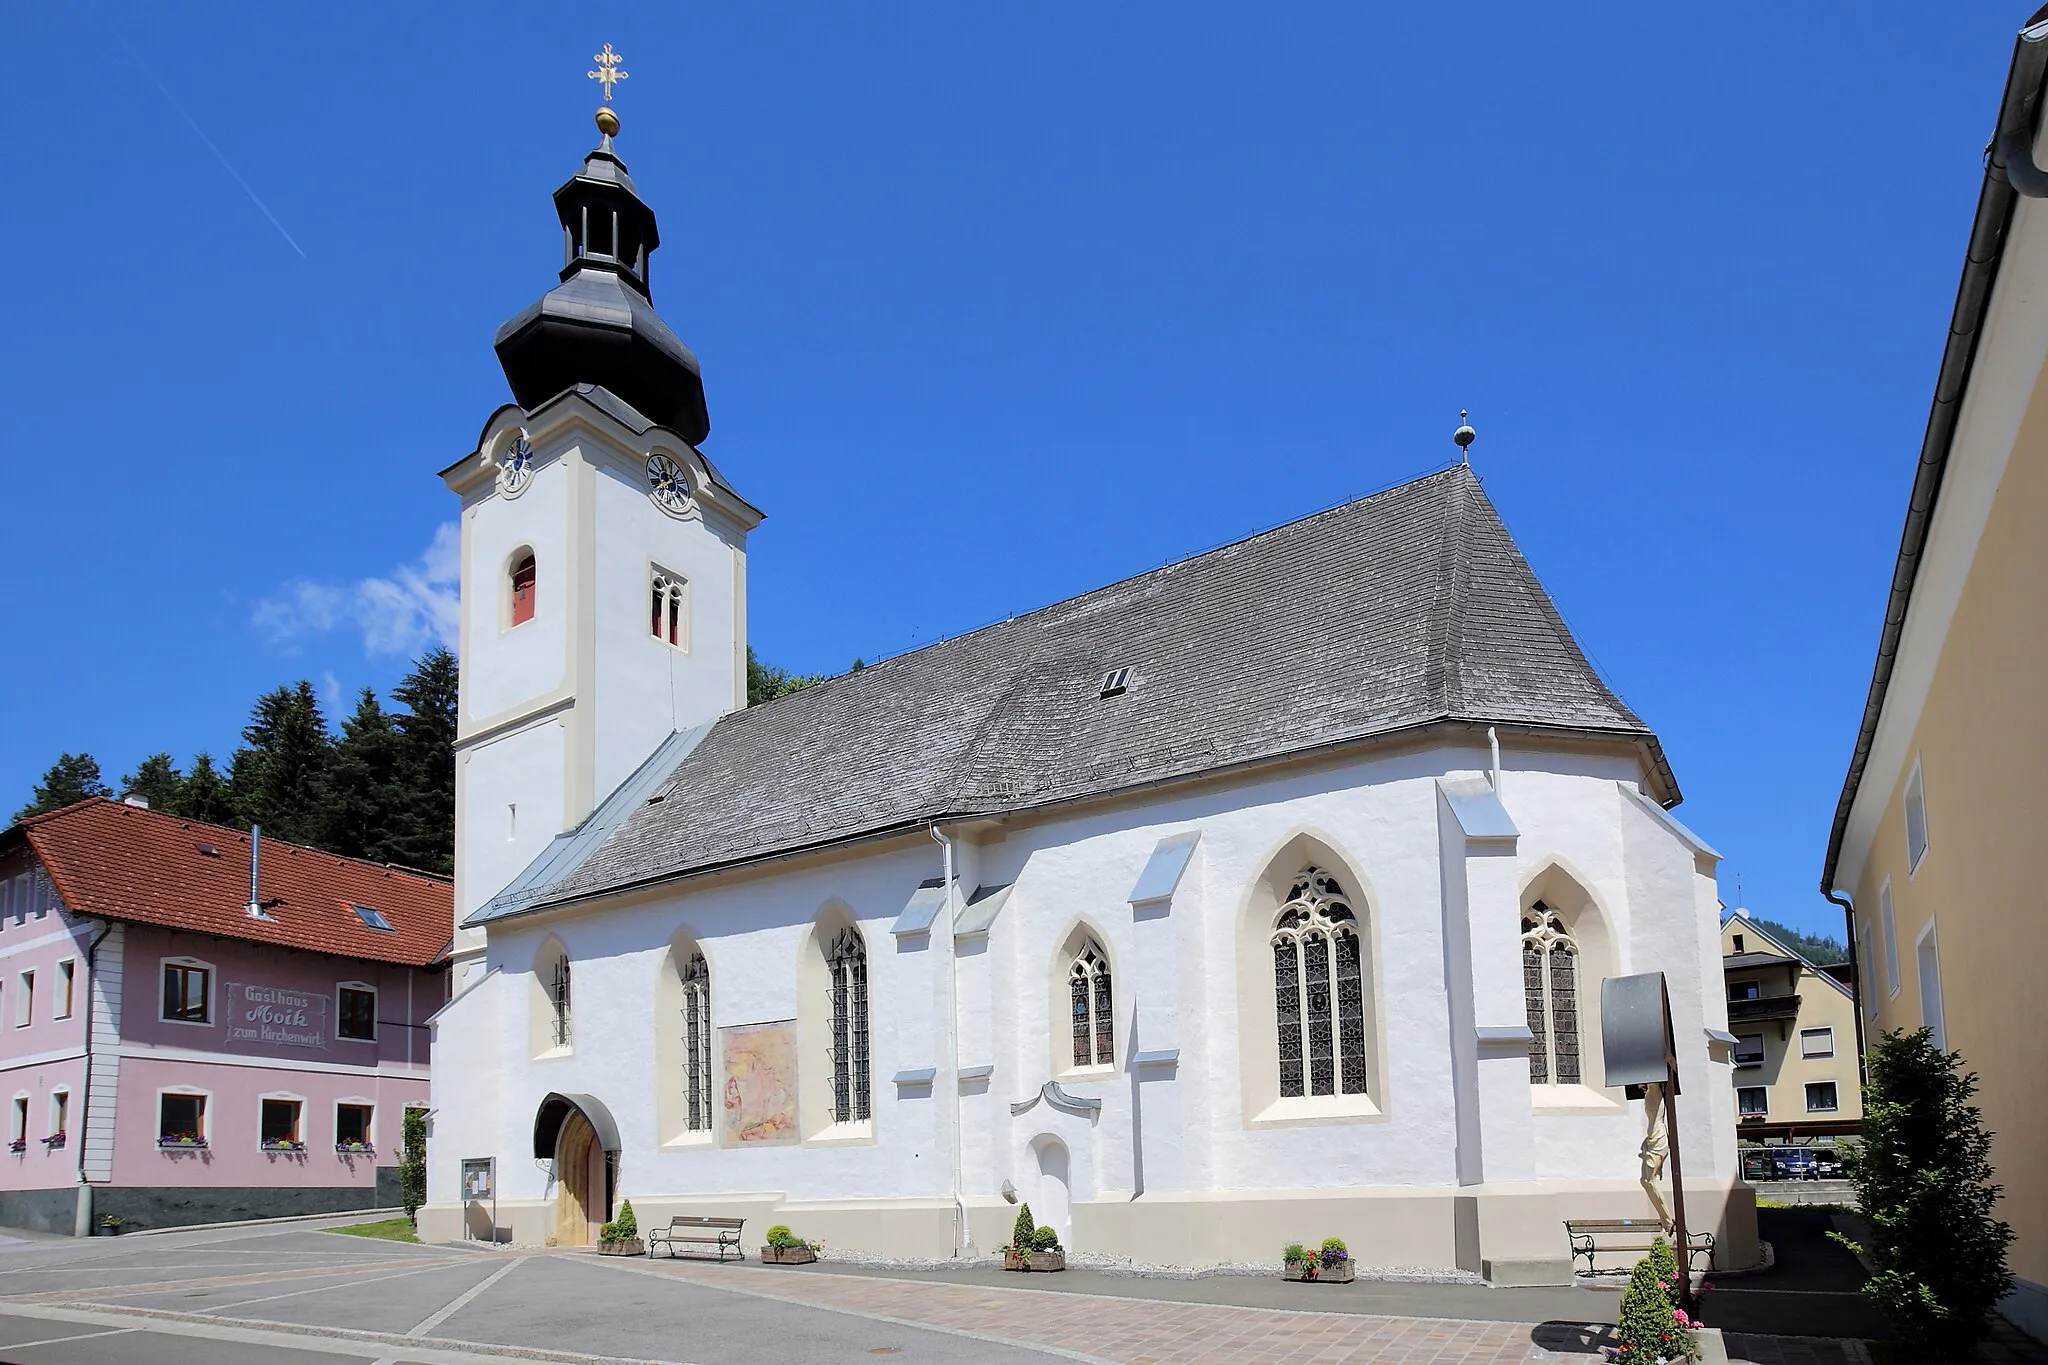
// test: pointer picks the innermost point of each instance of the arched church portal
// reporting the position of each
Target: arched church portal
(578, 1134)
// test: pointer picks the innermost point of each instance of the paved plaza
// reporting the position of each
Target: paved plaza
(296, 1295)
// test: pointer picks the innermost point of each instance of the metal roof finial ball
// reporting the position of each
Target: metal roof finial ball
(607, 122)
(1464, 436)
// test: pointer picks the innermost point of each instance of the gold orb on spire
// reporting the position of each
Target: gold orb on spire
(607, 121)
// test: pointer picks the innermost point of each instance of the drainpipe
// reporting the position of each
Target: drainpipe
(81, 1223)
(949, 1075)
(1855, 974)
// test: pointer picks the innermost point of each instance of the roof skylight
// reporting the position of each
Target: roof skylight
(372, 918)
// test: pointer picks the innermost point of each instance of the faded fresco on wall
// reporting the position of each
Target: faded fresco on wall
(760, 1082)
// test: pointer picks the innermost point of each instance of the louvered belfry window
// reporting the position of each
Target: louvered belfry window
(1088, 987)
(847, 963)
(1550, 988)
(697, 1040)
(558, 999)
(1319, 990)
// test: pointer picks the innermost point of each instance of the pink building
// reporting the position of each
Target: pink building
(181, 1044)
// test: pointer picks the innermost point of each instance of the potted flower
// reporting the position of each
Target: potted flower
(175, 1141)
(786, 1248)
(283, 1145)
(1300, 1263)
(621, 1236)
(54, 1140)
(20, 1144)
(109, 1226)
(355, 1149)
(1330, 1263)
(1032, 1247)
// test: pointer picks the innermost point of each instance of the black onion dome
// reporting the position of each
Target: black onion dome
(598, 326)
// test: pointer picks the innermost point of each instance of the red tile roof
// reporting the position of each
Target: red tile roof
(123, 862)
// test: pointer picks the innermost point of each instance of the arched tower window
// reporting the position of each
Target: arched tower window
(669, 615)
(846, 962)
(697, 1041)
(1318, 990)
(1550, 984)
(558, 1000)
(522, 588)
(1088, 987)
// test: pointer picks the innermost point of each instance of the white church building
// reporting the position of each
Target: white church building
(1258, 898)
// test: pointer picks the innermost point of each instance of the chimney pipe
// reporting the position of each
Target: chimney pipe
(255, 908)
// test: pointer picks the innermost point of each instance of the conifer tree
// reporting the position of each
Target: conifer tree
(204, 794)
(426, 763)
(73, 777)
(280, 777)
(156, 780)
(366, 796)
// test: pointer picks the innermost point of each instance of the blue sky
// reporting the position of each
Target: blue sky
(996, 304)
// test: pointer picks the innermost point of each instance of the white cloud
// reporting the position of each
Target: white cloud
(400, 613)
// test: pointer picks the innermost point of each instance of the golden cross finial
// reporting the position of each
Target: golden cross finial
(607, 70)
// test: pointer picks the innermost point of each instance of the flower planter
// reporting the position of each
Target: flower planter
(1034, 1260)
(1343, 1272)
(106, 1230)
(787, 1255)
(625, 1246)
(175, 1145)
(342, 1150)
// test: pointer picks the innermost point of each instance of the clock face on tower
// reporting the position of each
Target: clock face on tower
(516, 467)
(669, 484)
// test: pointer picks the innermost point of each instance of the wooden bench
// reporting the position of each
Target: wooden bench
(1590, 1236)
(688, 1229)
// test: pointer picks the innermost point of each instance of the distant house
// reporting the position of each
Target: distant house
(189, 1033)
(1795, 1039)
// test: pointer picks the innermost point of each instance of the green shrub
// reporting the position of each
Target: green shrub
(1648, 1332)
(1045, 1239)
(782, 1239)
(1021, 1232)
(628, 1226)
(1294, 1254)
(412, 1165)
(1923, 1176)
(1664, 1263)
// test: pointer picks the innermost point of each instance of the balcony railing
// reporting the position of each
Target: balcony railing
(1765, 1007)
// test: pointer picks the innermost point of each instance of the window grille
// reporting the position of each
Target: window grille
(558, 997)
(847, 963)
(1088, 984)
(668, 618)
(1319, 990)
(1550, 987)
(697, 1040)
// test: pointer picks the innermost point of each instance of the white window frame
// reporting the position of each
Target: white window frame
(67, 981)
(21, 1099)
(1891, 937)
(205, 1098)
(25, 999)
(1826, 1032)
(211, 978)
(1914, 804)
(60, 1111)
(1830, 1109)
(279, 1097)
(1926, 952)
(20, 883)
(1763, 1090)
(371, 990)
(355, 1102)
(678, 589)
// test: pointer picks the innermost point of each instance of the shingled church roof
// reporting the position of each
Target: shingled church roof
(1399, 611)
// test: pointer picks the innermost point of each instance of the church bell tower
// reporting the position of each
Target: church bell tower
(603, 593)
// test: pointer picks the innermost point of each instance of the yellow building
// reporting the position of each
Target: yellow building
(1938, 835)
(1795, 1039)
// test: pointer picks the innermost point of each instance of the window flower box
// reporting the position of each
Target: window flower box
(180, 1142)
(354, 1149)
(18, 1145)
(283, 1145)
(54, 1141)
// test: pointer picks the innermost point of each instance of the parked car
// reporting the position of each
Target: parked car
(1794, 1163)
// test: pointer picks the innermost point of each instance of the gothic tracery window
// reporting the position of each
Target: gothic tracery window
(1319, 990)
(1550, 985)
(1089, 990)
(558, 1001)
(846, 963)
(669, 614)
(697, 1041)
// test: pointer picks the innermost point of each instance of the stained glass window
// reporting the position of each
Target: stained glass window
(1319, 990)
(847, 963)
(697, 1040)
(1089, 988)
(1550, 988)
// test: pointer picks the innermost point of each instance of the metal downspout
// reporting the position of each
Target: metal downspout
(1855, 975)
(951, 1074)
(81, 1222)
